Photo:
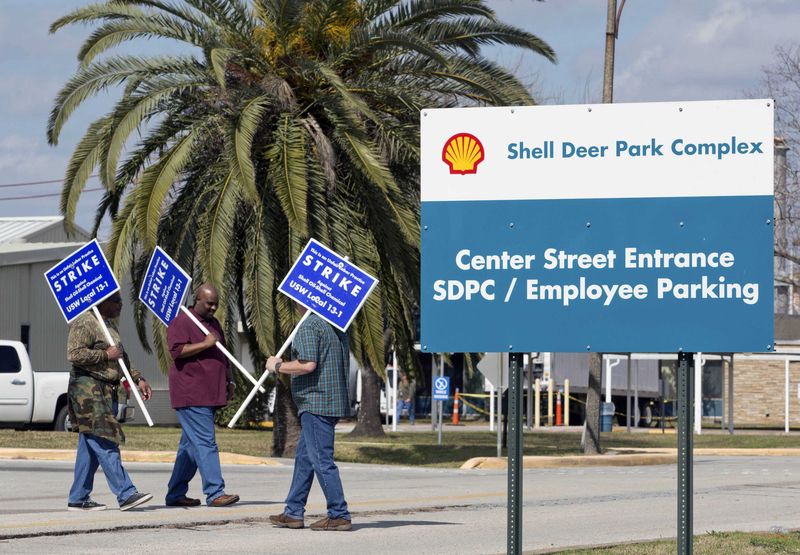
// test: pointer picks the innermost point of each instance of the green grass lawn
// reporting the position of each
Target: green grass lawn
(716, 543)
(407, 448)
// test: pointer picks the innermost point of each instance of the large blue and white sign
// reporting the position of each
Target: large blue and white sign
(327, 284)
(441, 388)
(82, 280)
(614, 227)
(164, 286)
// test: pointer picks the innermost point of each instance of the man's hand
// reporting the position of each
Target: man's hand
(145, 389)
(210, 340)
(114, 353)
(271, 362)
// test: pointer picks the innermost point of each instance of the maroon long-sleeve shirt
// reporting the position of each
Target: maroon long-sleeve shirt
(199, 380)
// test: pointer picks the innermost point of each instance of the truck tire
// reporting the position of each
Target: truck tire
(63, 423)
(646, 415)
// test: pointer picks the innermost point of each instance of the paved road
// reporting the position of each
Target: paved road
(402, 510)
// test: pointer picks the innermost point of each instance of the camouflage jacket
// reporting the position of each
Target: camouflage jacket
(94, 379)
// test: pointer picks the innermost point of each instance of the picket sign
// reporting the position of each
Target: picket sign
(164, 287)
(80, 282)
(328, 285)
(124, 367)
(263, 377)
(222, 348)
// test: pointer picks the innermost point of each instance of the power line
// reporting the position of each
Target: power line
(48, 182)
(26, 197)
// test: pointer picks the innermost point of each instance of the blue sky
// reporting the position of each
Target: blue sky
(667, 50)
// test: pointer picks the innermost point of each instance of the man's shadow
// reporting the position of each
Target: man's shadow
(398, 523)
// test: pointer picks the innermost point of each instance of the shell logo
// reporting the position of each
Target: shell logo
(462, 153)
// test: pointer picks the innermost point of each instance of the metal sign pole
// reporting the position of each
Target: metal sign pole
(514, 544)
(685, 467)
(441, 409)
(433, 401)
(501, 366)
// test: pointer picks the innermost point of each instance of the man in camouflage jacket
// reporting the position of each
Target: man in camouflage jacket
(94, 379)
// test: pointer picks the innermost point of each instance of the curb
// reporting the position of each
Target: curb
(636, 457)
(574, 461)
(128, 456)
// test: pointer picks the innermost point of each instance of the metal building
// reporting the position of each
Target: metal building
(29, 313)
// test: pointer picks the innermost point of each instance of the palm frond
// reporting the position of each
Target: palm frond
(84, 160)
(260, 279)
(157, 26)
(287, 171)
(242, 141)
(101, 75)
(108, 11)
(133, 111)
(123, 238)
(156, 182)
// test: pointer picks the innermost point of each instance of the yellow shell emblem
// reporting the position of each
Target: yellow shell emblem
(462, 153)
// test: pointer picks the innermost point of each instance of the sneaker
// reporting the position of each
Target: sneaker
(135, 500)
(283, 521)
(224, 500)
(184, 502)
(332, 525)
(87, 505)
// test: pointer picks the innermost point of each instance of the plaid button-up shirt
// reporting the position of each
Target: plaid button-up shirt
(324, 391)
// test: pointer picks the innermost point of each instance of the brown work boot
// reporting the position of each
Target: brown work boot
(332, 525)
(224, 500)
(283, 521)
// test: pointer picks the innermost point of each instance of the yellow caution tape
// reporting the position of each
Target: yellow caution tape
(474, 407)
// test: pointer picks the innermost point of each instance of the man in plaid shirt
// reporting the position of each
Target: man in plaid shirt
(320, 372)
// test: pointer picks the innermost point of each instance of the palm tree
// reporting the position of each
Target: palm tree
(279, 120)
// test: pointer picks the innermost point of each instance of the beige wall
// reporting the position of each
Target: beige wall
(759, 389)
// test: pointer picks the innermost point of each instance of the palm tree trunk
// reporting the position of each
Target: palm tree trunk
(286, 432)
(591, 443)
(369, 415)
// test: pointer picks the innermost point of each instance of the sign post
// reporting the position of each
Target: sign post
(685, 455)
(79, 283)
(328, 285)
(164, 288)
(514, 539)
(597, 228)
(441, 392)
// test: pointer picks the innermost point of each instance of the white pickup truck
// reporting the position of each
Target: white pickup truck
(36, 399)
(29, 398)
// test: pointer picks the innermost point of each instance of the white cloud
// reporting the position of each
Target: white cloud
(26, 159)
(721, 23)
(702, 50)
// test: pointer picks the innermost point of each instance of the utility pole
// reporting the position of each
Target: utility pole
(591, 442)
(612, 31)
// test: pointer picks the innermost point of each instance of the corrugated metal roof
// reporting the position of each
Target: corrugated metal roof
(15, 230)
(27, 253)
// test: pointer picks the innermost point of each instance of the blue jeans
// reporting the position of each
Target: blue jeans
(409, 406)
(197, 450)
(314, 455)
(94, 451)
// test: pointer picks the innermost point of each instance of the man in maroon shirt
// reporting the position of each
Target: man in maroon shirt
(200, 382)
